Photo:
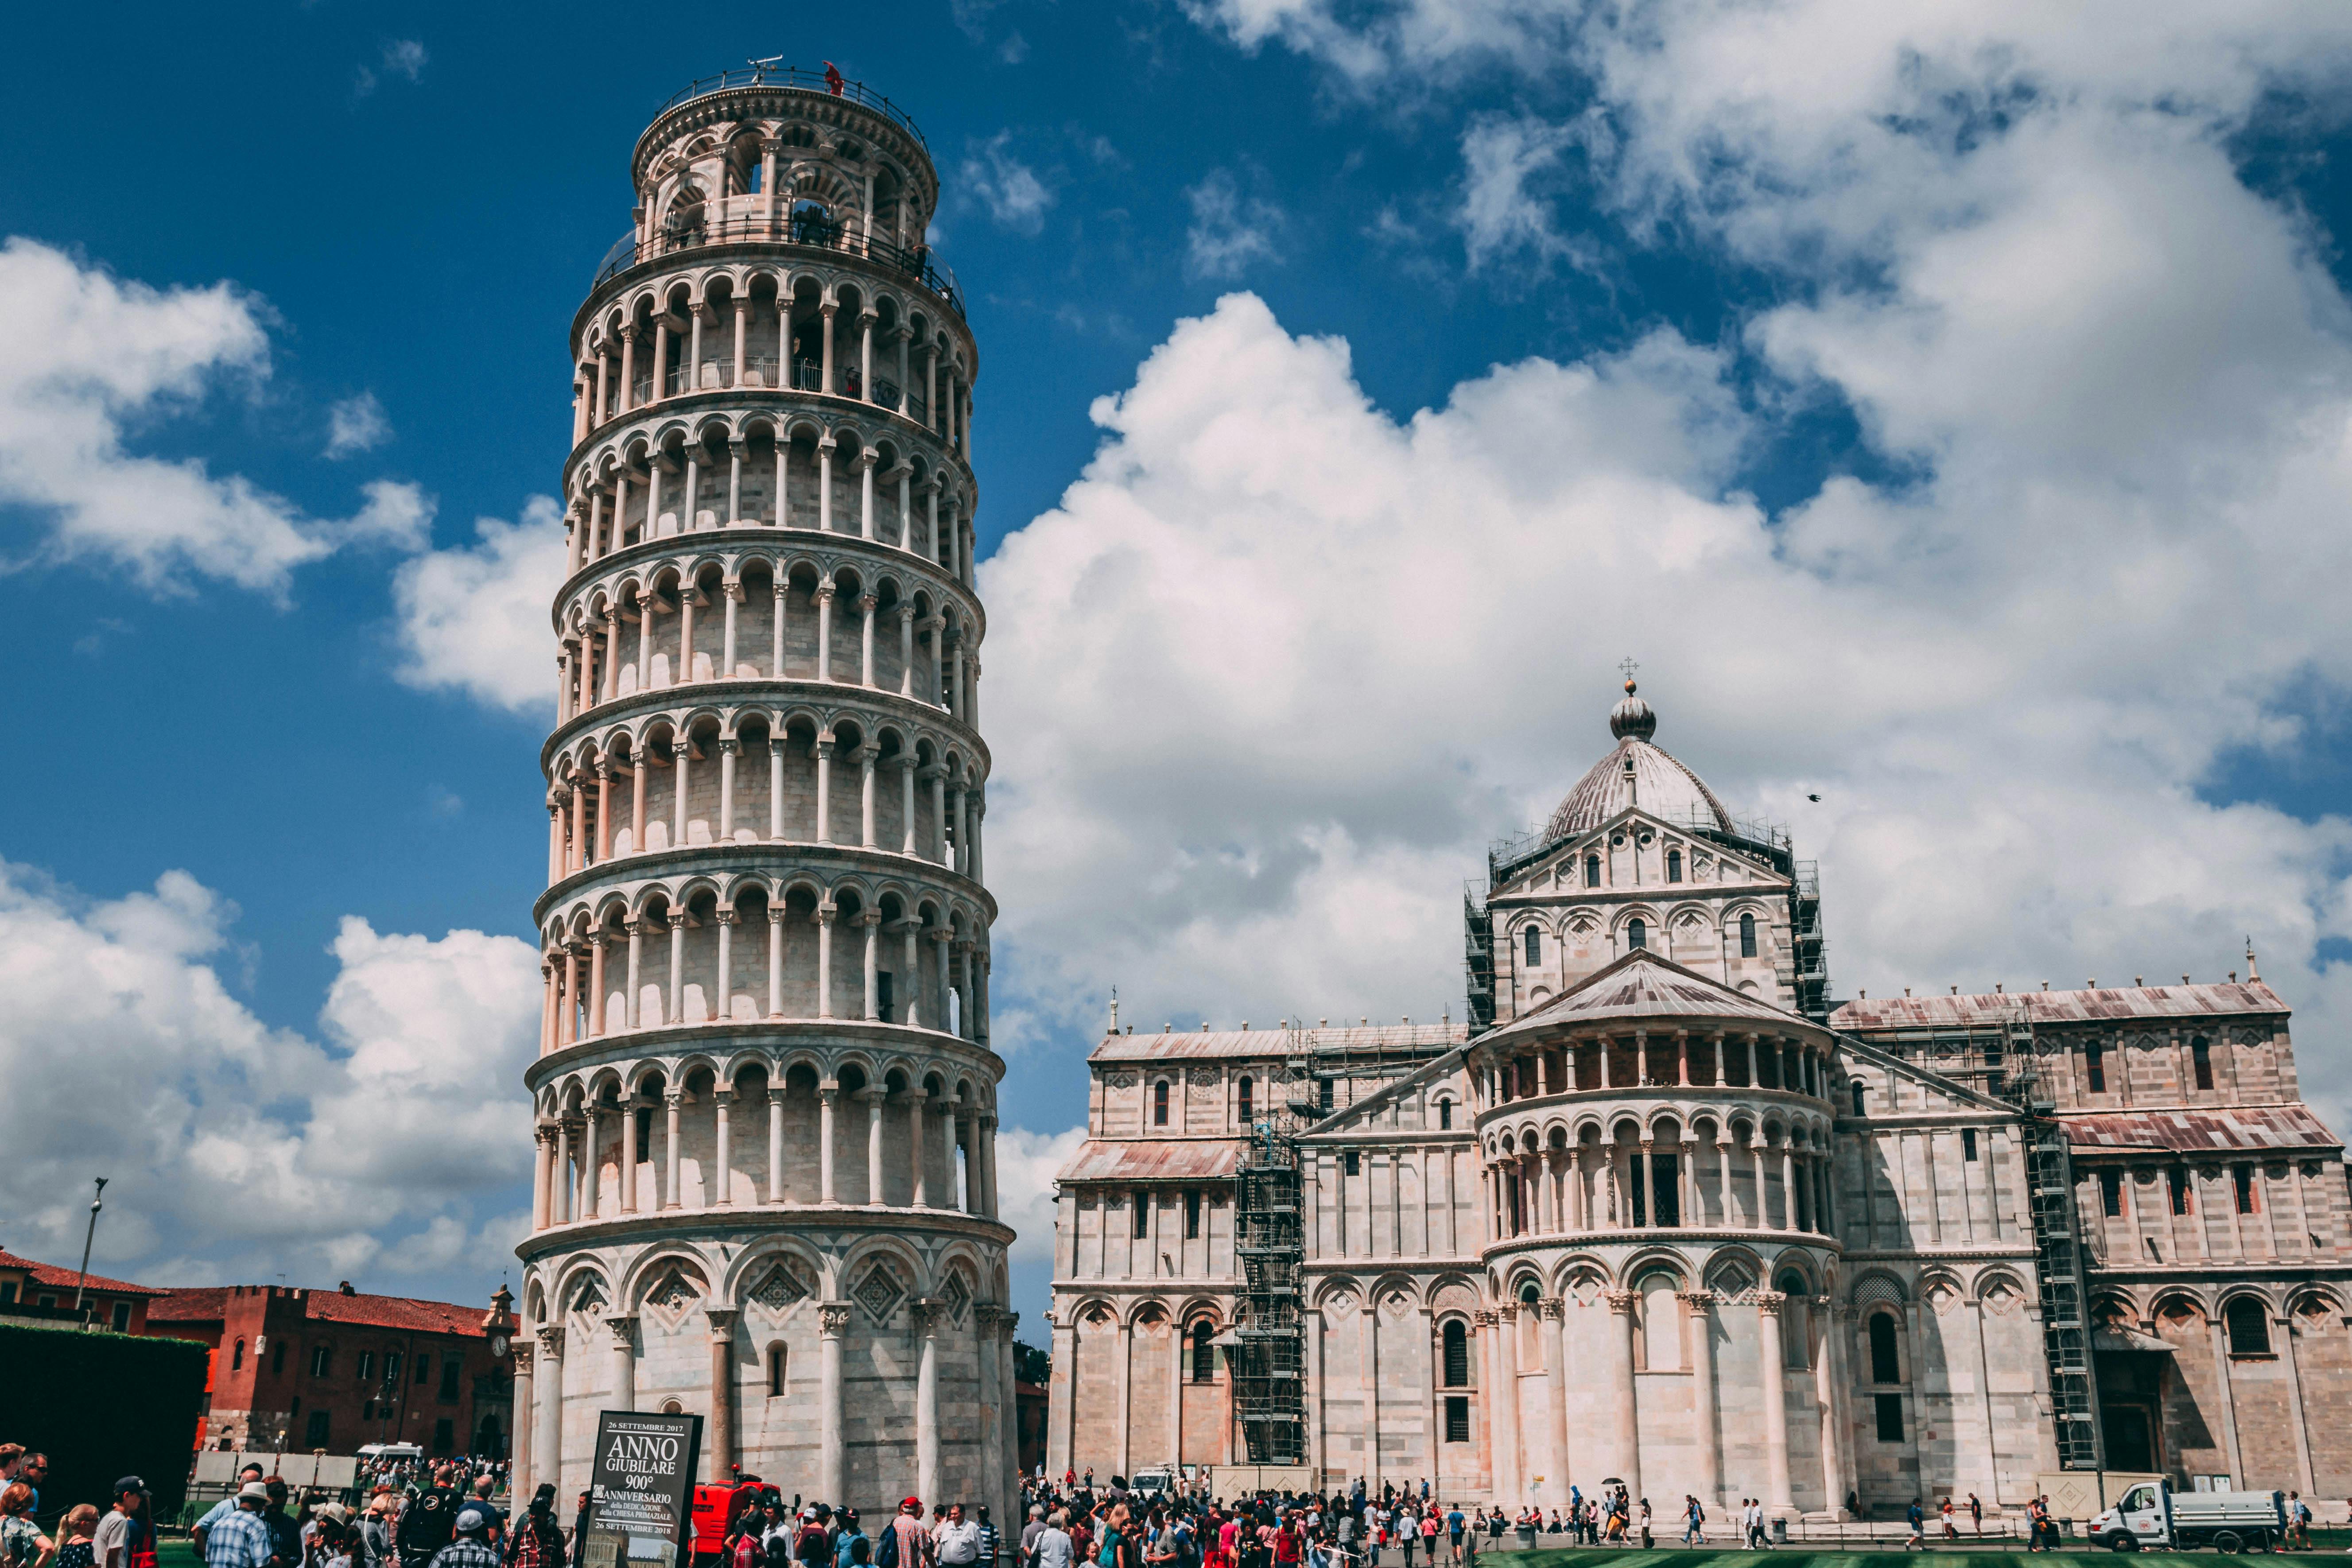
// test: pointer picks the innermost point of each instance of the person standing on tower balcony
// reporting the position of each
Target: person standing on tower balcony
(833, 82)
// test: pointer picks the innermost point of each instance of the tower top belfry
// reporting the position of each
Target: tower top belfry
(765, 1099)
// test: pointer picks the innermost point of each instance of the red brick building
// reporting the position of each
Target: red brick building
(41, 1289)
(315, 1369)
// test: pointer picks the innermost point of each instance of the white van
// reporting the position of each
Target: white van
(1148, 1484)
(2153, 1517)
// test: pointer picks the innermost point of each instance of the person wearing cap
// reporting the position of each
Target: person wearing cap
(470, 1546)
(538, 1540)
(111, 1545)
(222, 1509)
(913, 1543)
(239, 1538)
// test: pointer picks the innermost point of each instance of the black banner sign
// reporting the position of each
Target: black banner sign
(641, 1490)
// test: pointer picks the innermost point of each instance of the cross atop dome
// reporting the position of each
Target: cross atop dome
(1632, 716)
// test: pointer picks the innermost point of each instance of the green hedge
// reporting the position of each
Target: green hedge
(101, 1405)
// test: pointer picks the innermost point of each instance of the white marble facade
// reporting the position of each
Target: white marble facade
(766, 1181)
(1654, 1224)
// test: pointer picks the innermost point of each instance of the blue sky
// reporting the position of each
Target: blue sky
(1946, 409)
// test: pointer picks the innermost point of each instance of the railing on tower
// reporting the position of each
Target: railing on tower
(796, 78)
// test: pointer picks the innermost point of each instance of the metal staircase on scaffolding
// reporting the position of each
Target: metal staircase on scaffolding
(1267, 1357)
(2058, 1250)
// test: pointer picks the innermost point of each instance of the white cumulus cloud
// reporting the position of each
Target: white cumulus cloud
(474, 619)
(234, 1146)
(1009, 188)
(357, 424)
(1232, 230)
(1026, 1164)
(111, 352)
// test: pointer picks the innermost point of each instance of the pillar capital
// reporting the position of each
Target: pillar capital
(1553, 1307)
(1622, 1302)
(831, 1319)
(928, 1313)
(520, 1349)
(624, 1329)
(1483, 1317)
(722, 1322)
(550, 1340)
(1768, 1302)
(1695, 1302)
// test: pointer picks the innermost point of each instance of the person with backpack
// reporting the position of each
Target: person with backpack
(905, 1543)
(426, 1524)
(1918, 1518)
(536, 1540)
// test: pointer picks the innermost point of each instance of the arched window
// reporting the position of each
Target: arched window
(1796, 1321)
(1249, 1101)
(2200, 1055)
(1747, 936)
(1323, 1095)
(2248, 1326)
(1592, 870)
(1534, 938)
(236, 1357)
(1673, 865)
(1661, 1323)
(1446, 1116)
(777, 1383)
(1457, 1354)
(1858, 1110)
(1160, 1103)
(1142, 1226)
(1204, 1352)
(322, 1358)
(2095, 1058)
(1637, 934)
(1886, 1365)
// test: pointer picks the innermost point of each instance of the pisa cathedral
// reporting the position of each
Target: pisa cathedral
(1661, 1211)
(766, 1103)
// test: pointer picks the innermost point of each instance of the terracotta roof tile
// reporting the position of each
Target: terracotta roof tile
(1994, 1007)
(1153, 1159)
(50, 1274)
(1276, 1043)
(2282, 1127)
(209, 1303)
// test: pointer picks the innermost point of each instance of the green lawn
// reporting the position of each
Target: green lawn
(1799, 1556)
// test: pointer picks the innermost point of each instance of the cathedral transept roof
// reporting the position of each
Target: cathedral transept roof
(2108, 1003)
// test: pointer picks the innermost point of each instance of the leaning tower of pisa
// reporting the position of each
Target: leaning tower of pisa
(766, 1182)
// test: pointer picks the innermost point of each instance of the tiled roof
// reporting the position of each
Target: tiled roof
(1643, 986)
(49, 1274)
(1277, 1042)
(2280, 1127)
(2108, 1003)
(1153, 1159)
(209, 1303)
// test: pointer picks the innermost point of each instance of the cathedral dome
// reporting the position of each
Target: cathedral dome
(1636, 773)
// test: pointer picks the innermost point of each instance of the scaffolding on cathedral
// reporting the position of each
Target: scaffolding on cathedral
(2000, 1056)
(1325, 1070)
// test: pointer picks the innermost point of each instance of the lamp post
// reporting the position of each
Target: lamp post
(97, 1202)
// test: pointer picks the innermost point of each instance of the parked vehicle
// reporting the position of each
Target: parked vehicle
(2153, 1517)
(1150, 1483)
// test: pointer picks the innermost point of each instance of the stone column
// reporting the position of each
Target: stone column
(591, 1158)
(1061, 1419)
(993, 1405)
(1554, 1331)
(623, 1393)
(1776, 1400)
(1009, 1420)
(873, 1094)
(1123, 1353)
(928, 1315)
(919, 1137)
(1829, 1384)
(2229, 1400)
(2283, 1329)
(828, 1097)
(548, 1455)
(718, 1186)
(722, 1393)
(832, 1320)
(564, 1191)
(776, 1144)
(1701, 1321)
(1509, 1447)
(542, 1175)
(629, 1155)
(1489, 1375)
(525, 1418)
(1621, 1388)
(672, 1099)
